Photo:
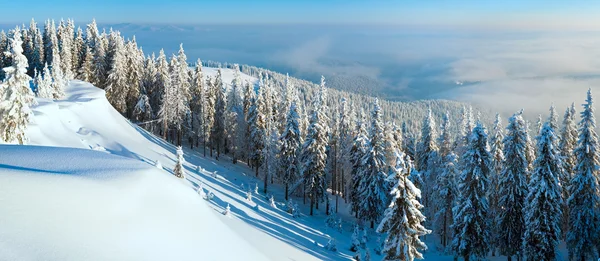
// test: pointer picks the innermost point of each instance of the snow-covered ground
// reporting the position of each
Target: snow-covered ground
(100, 197)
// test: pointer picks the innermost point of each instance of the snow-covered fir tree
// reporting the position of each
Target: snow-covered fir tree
(117, 83)
(584, 201)
(374, 188)
(291, 142)
(497, 151)
(568, 142)
(402, 220)
(446, 196)
(17, 96)
(163, 81)
(512, 188)
(357, 153)
(543, 211)
(197, 104)
(427, 158)
(37, 55)
(133, 70)
(313, 156)
(258, 126)
(59, 82)
(44, 86)
(179, 170)
(218, 128)
(470, 237)
(234, 118)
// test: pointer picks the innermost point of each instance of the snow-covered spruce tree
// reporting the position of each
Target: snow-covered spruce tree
(4, 57)
(345, 146)
(209, 112)
(512, 188)
(117, 82)
(163, 82)
(446, 197)
(357, 153)
(530, 148)
(470, 237)
(28, 50)
(313, 156)
(65, 35)
(86, 71)
(197, 104)
(465, 130)
(249, 100)
(270, 151)
(50, 41)
(568, 142)
(218, 129)
(133, 70)
(16, 94)
(497, 151)
(37, 61)
(234, 119)
(374, 188)
(58, 78)
(291, 143)
(355, 241)
(538, 125)
(179, 171)
(44, 88)
(78, 51)
(445, 139)
(427, 159)
(100, 62)
(402, 220)
(180, 84)
(584, 201)
(543, 211)
(258, 127)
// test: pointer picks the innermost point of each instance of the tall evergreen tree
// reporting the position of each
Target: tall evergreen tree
(497, 151)
(568, 142)
(446, 189)
(512, 188)
(291, 142)
(163, 82)
(16, 95)
(218, 130)
(584, 201)
(117, 82)
(402, 220)
(44, 87)
(470, 238)
(543, 211)
(313, 156)
(374, 187)
(358, 151)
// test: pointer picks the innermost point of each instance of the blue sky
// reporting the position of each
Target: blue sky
(511, 14)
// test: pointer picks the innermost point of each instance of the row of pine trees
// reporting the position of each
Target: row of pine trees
(509, 194)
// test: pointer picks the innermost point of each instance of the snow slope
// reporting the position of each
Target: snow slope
(74, 204)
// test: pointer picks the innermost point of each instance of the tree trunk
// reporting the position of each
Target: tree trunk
(266, 182)
(372, 224)
(312, 203)
(327, 209)
(286, 192)
(509, 258)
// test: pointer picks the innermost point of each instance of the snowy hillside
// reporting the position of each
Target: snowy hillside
(89, 199)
